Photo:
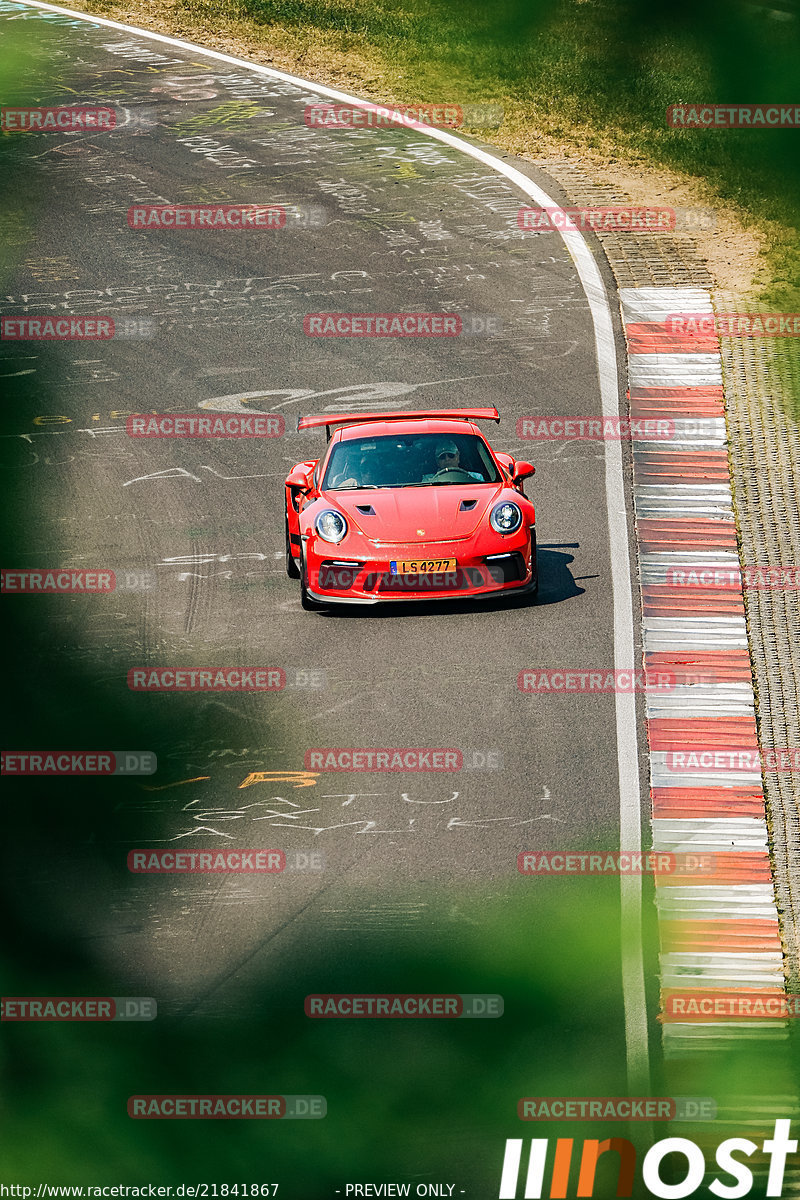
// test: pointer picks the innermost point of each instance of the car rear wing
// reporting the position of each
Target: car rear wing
(435, 414)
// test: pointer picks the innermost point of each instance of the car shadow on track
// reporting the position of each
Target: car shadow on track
(556, 584)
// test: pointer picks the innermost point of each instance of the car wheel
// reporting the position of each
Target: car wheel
(306, 601)
(534, 592)
(292, 569)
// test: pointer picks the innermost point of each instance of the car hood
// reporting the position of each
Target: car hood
(418, 514)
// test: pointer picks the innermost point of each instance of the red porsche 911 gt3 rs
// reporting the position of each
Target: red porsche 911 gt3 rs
(408, 506)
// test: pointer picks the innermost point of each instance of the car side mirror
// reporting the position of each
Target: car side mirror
(300, 477)
(522, 470)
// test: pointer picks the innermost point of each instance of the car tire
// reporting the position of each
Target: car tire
(292, 569)
(533, 594)
(306, 601)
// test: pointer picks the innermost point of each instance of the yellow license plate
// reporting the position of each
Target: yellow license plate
(423, 566)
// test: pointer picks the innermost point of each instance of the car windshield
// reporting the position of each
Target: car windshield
(409, 460)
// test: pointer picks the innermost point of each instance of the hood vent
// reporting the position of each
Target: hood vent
(467, 505)
(366, 509)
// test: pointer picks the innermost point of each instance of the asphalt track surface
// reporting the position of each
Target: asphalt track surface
(409, 225)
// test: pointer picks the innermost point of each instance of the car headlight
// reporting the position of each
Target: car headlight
(505, 517)
(331, 525)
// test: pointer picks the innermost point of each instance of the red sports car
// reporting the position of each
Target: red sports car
(451, 521)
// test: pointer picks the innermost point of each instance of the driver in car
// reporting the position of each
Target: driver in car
(448, 458)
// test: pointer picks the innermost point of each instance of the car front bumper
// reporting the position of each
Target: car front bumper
(481, 572)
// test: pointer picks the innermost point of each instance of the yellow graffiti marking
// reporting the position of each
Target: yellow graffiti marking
(303, 778)
(234, 112)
